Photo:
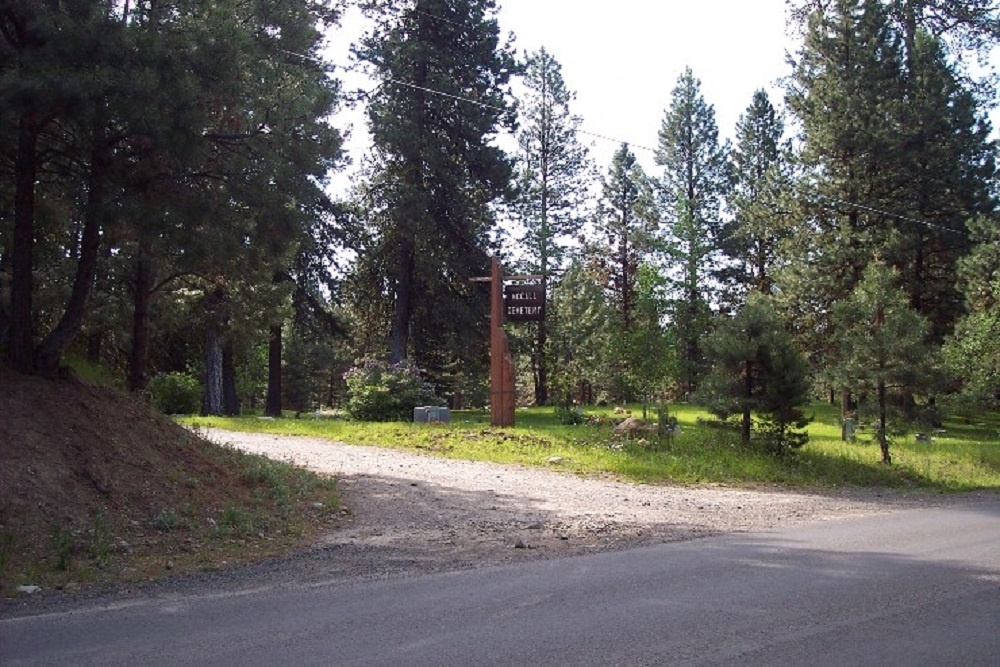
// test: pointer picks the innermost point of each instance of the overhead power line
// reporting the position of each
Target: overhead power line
(596, 135)
(603, 137)
(888, 214)
(483, 105)
(443, 94)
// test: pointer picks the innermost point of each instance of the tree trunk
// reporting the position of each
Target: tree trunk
(746, 422)
(4, 315)
(230, 397)
(272, 407)
(20, 352)
(49, 352)
(846, 408)
(403, 307)
(882, 441)
(691, 350)
(541, 368)
(95, 343)
(919, 277)
(141, 296)
(102, 284)
(212, 401)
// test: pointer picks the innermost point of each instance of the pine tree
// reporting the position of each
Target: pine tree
(648, 349)
(581, 325)
(625, 237)
(971, 25)
(443, 77)
(757, 369)
(947, 165)
(552, 184)
(232, 211)
(882, 343)
(189, 140)
(552, 166)
(972, 351)
(625, 231)
(895, 156)
(693, 184)
(758, 198)
(846, 94)
(59, 71)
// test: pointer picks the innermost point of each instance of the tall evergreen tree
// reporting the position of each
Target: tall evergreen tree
(552, 184)
(625, 231)
(61, 68)
(198, 142)
(443, 76)
(286, 157)
(846, 94)
(581, 335)
(972, 25)
(649, 350)
(758, 198)
(946, 171)
(625, 238)
(693, 183)
(972, 351)
(896, 158)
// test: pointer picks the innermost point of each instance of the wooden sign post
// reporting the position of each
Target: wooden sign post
(502, 395)
(516, 303)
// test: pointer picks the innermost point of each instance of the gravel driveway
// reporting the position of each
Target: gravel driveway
(409, 513)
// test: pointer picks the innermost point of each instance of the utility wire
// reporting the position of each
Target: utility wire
(458, 98)
(603, 137)
(815, 195)
(888, 214)
(448, 95)
(496, 108)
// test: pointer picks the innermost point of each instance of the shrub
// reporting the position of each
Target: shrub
(781, 434)
(378, 391)
(175, 393)
(570, 415)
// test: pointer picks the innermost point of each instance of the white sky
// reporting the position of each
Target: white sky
(623, 59)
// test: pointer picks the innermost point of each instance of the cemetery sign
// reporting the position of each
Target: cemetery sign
(524, 303)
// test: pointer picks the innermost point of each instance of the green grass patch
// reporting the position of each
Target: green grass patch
(91, 373)
(964, 455)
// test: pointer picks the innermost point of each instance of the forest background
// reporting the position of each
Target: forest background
(167, 216)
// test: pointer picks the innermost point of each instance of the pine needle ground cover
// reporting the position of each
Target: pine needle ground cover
(963, 455)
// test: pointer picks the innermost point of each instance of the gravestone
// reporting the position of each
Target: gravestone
(849, 429)
(431, 414)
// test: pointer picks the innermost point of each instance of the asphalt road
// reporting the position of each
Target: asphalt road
(920, 587)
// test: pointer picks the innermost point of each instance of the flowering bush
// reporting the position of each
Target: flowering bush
(378, 391)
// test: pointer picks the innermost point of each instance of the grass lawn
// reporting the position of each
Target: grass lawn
(964, 456)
